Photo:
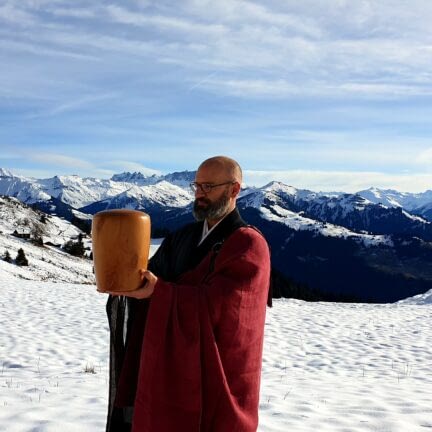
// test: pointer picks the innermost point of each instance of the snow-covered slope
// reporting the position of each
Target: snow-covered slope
(327, 367)
(298, 222)
(421, 299)
(45, 263)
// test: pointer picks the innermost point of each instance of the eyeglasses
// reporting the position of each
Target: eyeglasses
(206, 187)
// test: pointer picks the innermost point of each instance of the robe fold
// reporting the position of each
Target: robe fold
(192, 358)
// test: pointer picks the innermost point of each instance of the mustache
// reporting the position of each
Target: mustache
(202, 201)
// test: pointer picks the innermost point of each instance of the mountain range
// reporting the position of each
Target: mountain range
(373, 245)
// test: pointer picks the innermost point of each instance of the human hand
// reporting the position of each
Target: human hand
(148, 282)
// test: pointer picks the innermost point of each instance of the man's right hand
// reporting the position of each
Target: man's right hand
(148, 280)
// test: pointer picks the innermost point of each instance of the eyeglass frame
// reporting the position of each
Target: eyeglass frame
(208, 186)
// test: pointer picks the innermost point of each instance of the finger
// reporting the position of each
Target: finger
(151, 277)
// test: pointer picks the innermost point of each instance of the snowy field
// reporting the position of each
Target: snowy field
(327, 367)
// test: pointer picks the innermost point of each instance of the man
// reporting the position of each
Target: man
(186, 348)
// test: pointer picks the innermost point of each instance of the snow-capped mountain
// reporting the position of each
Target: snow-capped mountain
(78, 192)
(320, 242)
(416, 203)
(162, 195)
(328, 245)
(180, 178)
(280, 203)
(71, 190)
(136, 178)
(351, 211)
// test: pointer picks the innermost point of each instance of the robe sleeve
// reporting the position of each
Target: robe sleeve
(202, 352)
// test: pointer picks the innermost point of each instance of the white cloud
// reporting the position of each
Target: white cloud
(60, 160)
(15, 15)
(74, 12)
(425, 158)
(77, 104)
(283, 89)
(345, 181)
(356, 76)
(271, 51)
(41, 50)
(125, 16)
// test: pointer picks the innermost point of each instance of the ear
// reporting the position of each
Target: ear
(235, 189)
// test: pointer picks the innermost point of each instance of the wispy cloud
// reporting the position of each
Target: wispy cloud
(202, 81)
(73, 12)
(341, 181)
(425, 158)
(330, 86)
(60, 160)
(78, 104)
(176, 24)
(16, 15)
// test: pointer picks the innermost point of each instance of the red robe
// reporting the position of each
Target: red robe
(202, 349)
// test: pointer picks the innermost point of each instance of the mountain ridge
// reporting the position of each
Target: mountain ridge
(318, 240)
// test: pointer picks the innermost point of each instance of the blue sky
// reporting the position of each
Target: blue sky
(323, 94)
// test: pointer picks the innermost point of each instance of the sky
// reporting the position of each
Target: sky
(323, 94)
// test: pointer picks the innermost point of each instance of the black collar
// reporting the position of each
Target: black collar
(220, 232)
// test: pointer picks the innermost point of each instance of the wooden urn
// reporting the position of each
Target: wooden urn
(121, 245)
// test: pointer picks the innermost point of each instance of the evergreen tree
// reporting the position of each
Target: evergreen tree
(7, 257)
(38, 230)
(21, 259)
(75, 248)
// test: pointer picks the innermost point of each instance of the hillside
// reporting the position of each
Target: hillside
(54, 352)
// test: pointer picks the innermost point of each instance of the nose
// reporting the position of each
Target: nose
(199, 192)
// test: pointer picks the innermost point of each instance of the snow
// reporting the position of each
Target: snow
(50, 332)
(328, 367)
(161, 192)
(5, 173)
(347, 367)
(416, 218)
(393, 198)
(79, 192)
(47, 262)
(420, 299)
(300, 223)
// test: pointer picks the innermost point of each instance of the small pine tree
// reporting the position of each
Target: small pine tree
(7, 257)
(74, 248)
(38, 230)
(21, 259)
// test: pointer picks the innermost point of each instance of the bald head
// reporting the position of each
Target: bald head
(225, 165)
(222, 177)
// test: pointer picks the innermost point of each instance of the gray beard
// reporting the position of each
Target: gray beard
(214, 210)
